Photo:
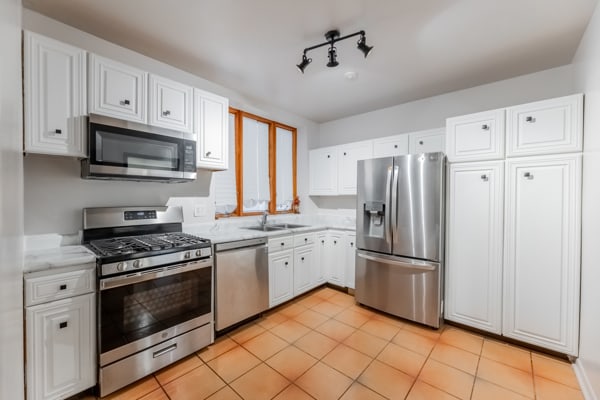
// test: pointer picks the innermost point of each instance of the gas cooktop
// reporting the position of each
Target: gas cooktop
(127, 245)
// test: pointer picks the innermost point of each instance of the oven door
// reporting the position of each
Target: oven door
(125, 151)
(136, 311)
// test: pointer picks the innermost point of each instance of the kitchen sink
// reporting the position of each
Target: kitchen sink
(265, 228)
(288, 226)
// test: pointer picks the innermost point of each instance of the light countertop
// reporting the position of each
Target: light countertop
(57, 257)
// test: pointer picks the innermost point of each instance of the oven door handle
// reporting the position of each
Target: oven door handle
(142, 276)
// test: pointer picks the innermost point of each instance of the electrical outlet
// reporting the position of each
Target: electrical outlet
(199, 210)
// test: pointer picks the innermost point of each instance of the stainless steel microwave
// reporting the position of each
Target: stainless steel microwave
(123, 150)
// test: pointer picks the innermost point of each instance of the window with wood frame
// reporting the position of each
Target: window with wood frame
(262, 168)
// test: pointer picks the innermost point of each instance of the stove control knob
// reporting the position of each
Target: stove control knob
(187, 254)
(137, 264)
(121, 266)
(198, 253)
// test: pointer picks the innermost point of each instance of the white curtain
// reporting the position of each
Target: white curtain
(284, 160)
(225, 186)
(255, 166)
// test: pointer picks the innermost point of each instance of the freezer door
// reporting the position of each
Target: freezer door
(373, 212)
(407, 288)
(418, 206)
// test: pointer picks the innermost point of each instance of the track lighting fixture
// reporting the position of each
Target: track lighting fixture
(332, 37)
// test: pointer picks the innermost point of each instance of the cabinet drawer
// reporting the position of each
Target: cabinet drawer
(475, 137)
(42, 289)
(281, 243)
(545, 127)
(303, 239)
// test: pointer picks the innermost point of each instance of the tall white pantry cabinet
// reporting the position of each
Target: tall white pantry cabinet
(514, 222)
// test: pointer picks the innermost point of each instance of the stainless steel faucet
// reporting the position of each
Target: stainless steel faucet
(263, 220)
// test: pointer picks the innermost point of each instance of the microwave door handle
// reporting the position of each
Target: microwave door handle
(387, 210)
(393, 201)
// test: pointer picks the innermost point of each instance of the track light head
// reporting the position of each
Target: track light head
(304, 63)
(332, 58)
(362, 45)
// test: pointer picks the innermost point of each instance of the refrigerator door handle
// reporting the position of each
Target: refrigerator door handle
(408, 264)
(393, 200)
(388, 202)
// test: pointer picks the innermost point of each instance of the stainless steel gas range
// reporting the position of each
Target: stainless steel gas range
(155, 291)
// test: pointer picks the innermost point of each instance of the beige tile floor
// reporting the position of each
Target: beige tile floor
(324, 346)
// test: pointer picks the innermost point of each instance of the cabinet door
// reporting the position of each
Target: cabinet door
(322, 164)
(336, 259)
(427, 141)
(170, 104)
(322, 259)
(55, 97)
(475, 137)
(281, 277)
(545, 127)
(542, 251)
(390, 146)
(117, 90)
(61, 347)
(474, 245)
(350, 247)
(348, 156)
(304, 258)
(211, 125)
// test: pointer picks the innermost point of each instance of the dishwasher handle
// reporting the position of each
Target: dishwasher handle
(240, 244)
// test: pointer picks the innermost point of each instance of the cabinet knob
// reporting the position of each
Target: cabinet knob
(282, 243)
(208, 153)
(166, 112)
(395, 146)
(335, 242)
(63, 325)
(63, 287)
(344, 153)
(328, 156)
(485, 127)
(286, 263)
(306, 239)
(529, 119)
(351, 244)
(420, 142)
(484, 178)
(58, 131)
(124, 102)
(322, 242)
(302, 258)
(528, 175)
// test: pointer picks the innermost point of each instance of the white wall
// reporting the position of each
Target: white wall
(587, 68)
(54, 192)
(11, 203)
(432, 112)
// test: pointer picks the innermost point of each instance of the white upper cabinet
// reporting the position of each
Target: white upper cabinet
(390, 146)
(323, 176)
(474, 245)
(475, 137)
(211, 125)
(427, 141)
(55, 97)
(542, 251)
(170, 104)
(348, 156)
(117, 90)
(545, 127)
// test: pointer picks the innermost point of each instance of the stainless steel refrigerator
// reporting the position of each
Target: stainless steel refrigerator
(400, 235)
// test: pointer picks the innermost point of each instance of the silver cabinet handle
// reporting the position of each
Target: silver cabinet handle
(528, 175)
(484, 178)
(166, 112)
(485, 127)
(124, 102)
(529, 119)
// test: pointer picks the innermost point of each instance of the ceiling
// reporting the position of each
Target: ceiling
(422, 48)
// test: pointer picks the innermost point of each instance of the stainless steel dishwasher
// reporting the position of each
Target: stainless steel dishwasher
(241, 280)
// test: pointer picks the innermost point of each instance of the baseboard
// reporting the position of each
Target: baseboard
(584, 383)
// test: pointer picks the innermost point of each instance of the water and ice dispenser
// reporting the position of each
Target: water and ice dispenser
(374, 218)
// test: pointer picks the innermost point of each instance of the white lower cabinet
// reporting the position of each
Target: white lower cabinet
(320, 274)
(350, 250)
(542, 251)
(336, 259)
(60, 335)
(281, 276)
(474, 246)
(304, 259)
